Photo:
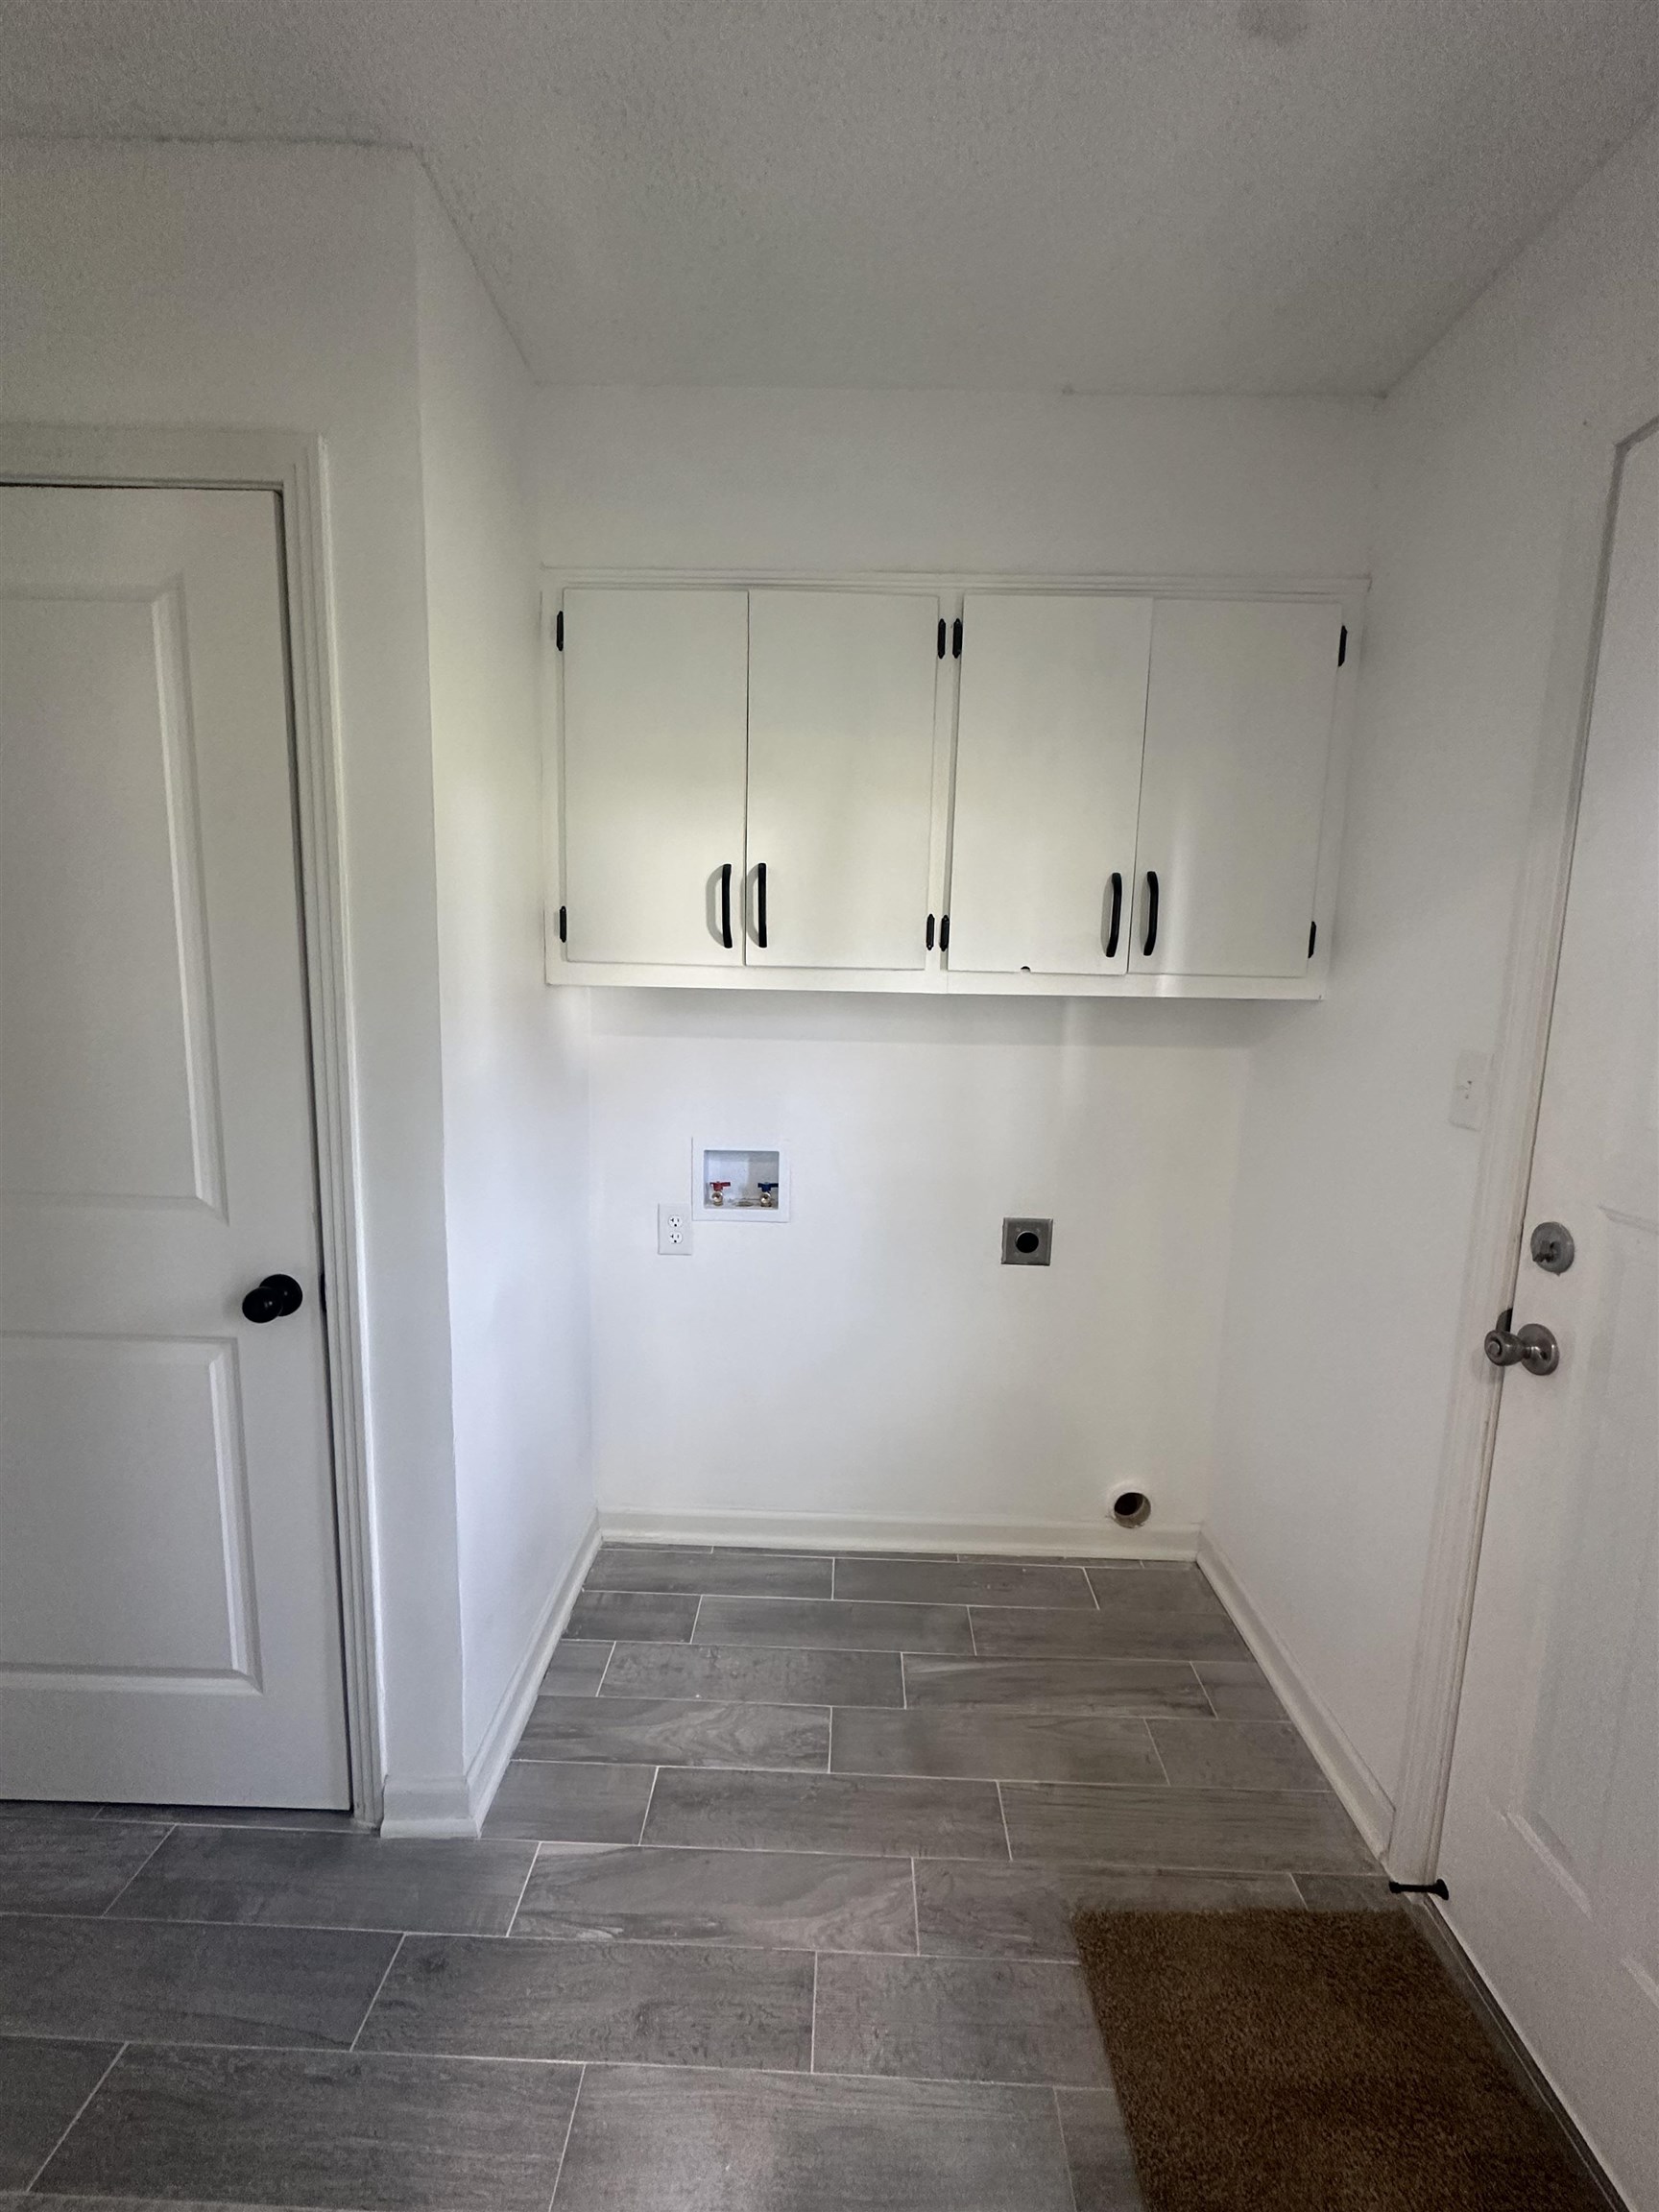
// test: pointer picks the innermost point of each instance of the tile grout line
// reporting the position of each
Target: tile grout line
(695, 1617)
(513, 1916)
(137, 1871)
(916, 1908)
(582, 1706)
(813, 2022)
(1003, 1811)
(1156, 1753)
(1204, 1690)
(640, 1840)
(571, 2130)
(396, 1948)
(1064, 2148)
(75, 2118)
(1034, 2087)
(315, 1927)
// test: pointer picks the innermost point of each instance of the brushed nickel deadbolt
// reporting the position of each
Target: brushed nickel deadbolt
(1552, 1248)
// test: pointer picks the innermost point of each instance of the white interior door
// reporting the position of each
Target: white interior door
(169, 1602)
(1239, 716)
(1048, 735)
(654, 729)
(1550, 1851)
(841, 694)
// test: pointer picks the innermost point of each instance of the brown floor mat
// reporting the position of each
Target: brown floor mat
(1311, 2062)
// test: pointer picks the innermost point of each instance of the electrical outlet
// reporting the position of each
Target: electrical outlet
(674, 1230)
(1470, 1084)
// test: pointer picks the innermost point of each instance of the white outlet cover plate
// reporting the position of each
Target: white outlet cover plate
(674, 1232)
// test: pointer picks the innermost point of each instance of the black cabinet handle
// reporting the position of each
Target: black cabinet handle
(930, 932)
(761, 905)
(1151, 912)
(725, 906)
(274, 1299)
(1117, 913)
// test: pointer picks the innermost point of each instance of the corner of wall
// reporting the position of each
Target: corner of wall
(514, 1094)
(1367, 1802)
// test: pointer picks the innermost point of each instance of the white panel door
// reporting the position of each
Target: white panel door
(841, 692)
(169, 1604)
(1239, 716)
(654, 729)
(1550, 1851)
(1048, 735)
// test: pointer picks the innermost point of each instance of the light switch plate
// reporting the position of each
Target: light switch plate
(674, 1230)
(1469, 1088)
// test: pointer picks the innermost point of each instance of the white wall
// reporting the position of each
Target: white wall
(515, 1093)
(1045, 484)
(871, 1360)
(1356, 1193)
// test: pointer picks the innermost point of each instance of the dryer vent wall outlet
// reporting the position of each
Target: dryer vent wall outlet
(1130, 1509)
(1027, 1240)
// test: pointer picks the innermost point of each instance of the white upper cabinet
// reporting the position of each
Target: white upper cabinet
(655, 729)
(1106, 791)
(1049, 738)
(841, 718)
(1238, 719)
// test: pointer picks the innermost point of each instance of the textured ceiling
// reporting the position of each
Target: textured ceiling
(1108, 194)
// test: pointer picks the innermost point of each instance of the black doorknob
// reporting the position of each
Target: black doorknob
(277, 1296)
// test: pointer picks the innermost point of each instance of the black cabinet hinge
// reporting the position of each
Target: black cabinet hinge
(941, 637)
(957, 637)
(1313, 937)
(1342, 645)
(561, 924)
(945, 933)
(1419, 1889)
(559, 631)
(930, 932)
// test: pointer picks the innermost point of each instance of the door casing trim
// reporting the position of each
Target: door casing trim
(294, 465)
(1469, 1434)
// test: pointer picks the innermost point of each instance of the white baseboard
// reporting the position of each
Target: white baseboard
(1368, 1803)
(426, 1805)
(489, 1762)
(873, 1533)
(456, 1806)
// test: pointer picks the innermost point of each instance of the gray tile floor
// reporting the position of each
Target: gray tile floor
(771, 1915)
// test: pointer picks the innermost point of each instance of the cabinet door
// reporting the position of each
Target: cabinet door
(1048, 737)
(841, 692)
(654, 735)
(1237, 736)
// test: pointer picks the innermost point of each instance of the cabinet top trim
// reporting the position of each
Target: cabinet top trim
(1350, 591)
